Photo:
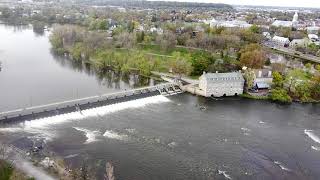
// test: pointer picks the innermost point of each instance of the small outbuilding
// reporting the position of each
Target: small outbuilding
(262, 86)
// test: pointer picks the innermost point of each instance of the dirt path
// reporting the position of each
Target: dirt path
(19, 160)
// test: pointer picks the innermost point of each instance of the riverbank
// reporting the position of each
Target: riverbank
(9, 172)
(16, 164)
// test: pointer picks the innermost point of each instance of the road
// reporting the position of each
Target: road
(291, 52)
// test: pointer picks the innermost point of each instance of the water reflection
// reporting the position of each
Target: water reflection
(108, 78)
(32, 74)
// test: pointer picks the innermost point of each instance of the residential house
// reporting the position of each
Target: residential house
(281, 40)
(299, 43)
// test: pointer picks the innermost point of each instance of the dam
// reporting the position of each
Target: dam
(64, 107)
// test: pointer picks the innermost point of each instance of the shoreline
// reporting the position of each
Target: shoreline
(267, 98)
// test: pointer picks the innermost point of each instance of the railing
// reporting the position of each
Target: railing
(82, 101)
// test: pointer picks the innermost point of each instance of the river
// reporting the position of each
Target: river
(157, 137)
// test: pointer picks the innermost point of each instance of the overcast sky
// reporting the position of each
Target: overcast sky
(287, 3)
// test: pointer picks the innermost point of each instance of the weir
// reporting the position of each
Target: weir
(64, 107)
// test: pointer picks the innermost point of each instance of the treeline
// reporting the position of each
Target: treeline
(140, 52)
(158, 4)
(120, 53)
(297, 85)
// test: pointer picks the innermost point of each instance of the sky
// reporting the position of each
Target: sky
(284, 3)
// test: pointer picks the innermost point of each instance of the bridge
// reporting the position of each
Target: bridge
(75, 105)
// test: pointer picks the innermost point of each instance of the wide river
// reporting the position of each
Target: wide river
(157, 137)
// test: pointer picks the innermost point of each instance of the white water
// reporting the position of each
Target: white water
(42, 128)
(71, 156)
(311, 135)
(282, 166)
(113, 135)
(91, 135)
(172, 144)
(316, 148)
(246, 131)
(224, 173)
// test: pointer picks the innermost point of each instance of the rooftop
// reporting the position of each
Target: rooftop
(223, 76)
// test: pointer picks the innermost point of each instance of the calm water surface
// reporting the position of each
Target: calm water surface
(159, 137)
(32, 75)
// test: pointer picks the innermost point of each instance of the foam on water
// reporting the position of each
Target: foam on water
(71, 156)
(172, 144)
(42, 128)
(99, 111)
(131, 130)
(317, 148)
(91, 135)
(114, 135)
(224, 173)
(11, 129)
(311, 135)
(246, 131)
(282, 166)
(38, 133)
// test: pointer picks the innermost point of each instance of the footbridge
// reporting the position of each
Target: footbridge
(69, 106)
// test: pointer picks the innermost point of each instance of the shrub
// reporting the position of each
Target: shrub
(280, 95)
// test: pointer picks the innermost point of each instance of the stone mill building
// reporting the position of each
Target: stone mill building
(221, 84)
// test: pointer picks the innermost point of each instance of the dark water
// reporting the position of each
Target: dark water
(171, 138)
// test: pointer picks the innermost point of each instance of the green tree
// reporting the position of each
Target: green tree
(255, 29)
(315, 87)
(140, 36)
(180, 65)
(280, 95)
(277, 79)
(303, 91)
(78, 51)
(308, 65)
(200, 62)
(249, 77)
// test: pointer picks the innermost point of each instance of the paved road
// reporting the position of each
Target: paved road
(292, 52)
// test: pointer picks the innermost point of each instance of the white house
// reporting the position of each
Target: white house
(230, 24)
(313, 29)
(299, 42)
(313, 37)
(279, 23)
(281, 40)
(156, 30)
(266, 35)
(221, 84)
(293, 23)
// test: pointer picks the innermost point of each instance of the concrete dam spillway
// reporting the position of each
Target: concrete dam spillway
(65, 107)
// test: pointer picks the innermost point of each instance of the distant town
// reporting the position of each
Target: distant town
(262, 52)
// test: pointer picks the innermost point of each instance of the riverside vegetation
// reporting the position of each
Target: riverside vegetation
(133, 51)
(106, 39)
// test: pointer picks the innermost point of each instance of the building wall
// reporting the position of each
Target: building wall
(221, 88)
(265, 80)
